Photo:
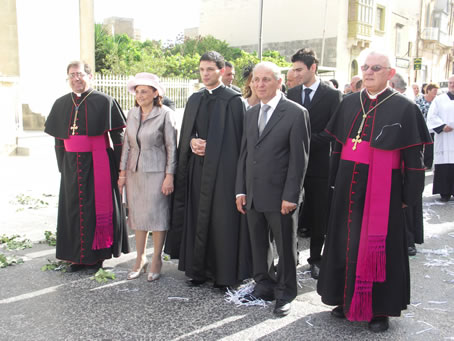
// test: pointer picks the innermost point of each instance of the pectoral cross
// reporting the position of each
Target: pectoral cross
(356, 140)
(74, 127)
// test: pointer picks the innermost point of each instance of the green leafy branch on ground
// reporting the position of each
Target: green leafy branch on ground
(103, 276)
(14, 243)
(30, 202)
(55, 266)
(9, 260)
(50, 238)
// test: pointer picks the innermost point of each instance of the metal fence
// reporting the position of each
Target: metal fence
(177, 89)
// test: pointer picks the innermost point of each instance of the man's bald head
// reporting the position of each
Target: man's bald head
(355, 79)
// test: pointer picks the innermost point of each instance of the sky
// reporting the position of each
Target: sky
(157, 20)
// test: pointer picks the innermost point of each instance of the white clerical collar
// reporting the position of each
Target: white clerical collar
(377, 94)
(314, 85)
(211, 91)
(274, 101)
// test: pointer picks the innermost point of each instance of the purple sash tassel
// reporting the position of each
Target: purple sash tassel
(98, 145)
(371, 261)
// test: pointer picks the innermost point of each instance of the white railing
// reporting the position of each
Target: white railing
(435, 34)
(177, 89)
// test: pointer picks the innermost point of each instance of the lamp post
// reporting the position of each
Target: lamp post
(260, 29)
(323, 35)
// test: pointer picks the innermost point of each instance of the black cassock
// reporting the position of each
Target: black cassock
(208, 234)
(397, 124)
(98, 115)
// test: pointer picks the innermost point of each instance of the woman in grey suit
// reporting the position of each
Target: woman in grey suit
(148, 162)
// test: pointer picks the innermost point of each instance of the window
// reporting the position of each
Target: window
(400, 44)
(380, 18)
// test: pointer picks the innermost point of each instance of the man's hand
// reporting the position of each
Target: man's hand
(240, 203)
(447, 129)
(287, 207)
(198, 146)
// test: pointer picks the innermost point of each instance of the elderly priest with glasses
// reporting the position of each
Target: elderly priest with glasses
(379, 140)
(90, 223)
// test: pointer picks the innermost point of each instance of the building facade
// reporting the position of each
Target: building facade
(341, 31)
(39, 39)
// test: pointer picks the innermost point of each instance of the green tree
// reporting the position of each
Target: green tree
(119, 54)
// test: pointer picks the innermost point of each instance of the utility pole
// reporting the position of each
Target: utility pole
(323, 35)
(260, 29)
(418, 37)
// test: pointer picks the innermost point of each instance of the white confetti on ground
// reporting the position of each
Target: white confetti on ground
(238, 297)
(302, 278)
(427, 329)
(446, 251)
(176, 298)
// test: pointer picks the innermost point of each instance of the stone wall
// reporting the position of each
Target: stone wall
(9, 57)
(288, 48)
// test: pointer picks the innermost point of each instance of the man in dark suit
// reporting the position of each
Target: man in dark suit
(321, 100)
(270, 173)
(229, 76)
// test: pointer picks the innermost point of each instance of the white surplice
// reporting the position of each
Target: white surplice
(441, 112)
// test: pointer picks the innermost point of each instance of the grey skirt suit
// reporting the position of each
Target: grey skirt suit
(149, 152)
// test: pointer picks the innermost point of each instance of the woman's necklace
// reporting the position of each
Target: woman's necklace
(357, 139)
(74, 127)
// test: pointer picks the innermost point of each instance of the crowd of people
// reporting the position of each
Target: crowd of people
(253, 168)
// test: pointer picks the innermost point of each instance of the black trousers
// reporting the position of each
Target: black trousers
(315, 214)
(282, 283)
(429, 153)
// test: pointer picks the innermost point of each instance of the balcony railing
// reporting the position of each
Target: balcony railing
(360, 20)
(434, 34)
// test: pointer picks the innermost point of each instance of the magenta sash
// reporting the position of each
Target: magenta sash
(371, 262)
(97, 145)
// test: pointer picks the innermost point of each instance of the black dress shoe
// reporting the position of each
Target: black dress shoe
(221, 287)
(256, 296)
(315, 271)
(304, 233)
(445, 197)
(379, 324)
(282, 308)
(194, 283)
(75, 267)
(93, 268)
(338, 312)
(412, 251)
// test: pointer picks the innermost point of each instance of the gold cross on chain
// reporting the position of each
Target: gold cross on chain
(356, 141)
(74, 128)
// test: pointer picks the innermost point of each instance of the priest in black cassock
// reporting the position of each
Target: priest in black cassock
(90, 224)
(380, 136)
(206, 231)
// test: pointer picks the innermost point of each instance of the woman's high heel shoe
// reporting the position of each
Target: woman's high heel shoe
(136, 274)
(154, 276)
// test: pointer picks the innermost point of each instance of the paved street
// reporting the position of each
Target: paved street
(51, 305)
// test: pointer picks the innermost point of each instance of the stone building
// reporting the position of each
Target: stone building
(117, 25)
(340, 30)
(39, 39)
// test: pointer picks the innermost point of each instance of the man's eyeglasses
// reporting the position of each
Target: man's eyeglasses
(76, 75)
(374, 68)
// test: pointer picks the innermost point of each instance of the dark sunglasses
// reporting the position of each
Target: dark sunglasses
(374, 68)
